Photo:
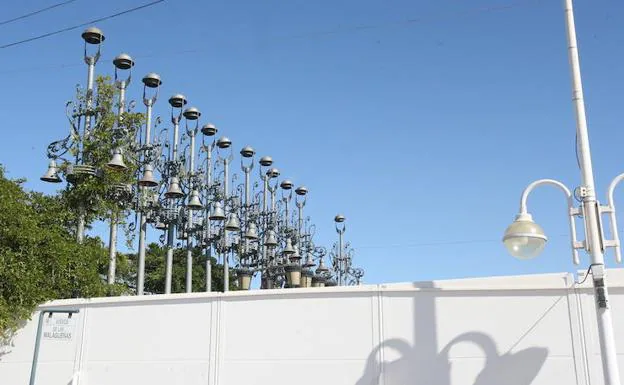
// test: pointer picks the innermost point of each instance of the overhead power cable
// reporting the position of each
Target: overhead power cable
(36, 12)
(83, 24)
(446, 16)
(449, 15)
(437, 243)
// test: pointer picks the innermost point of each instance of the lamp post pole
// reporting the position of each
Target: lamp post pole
(525, 239)
(340, 229)
(150, 80)
(208, 224)
(177, 102)
(226, 267)
(191, 114)
(189, 223)
(591, 212)
(247, 153)
(224, 144)
(121, 62)
(92, 36)
(208, 130)
(265, 161)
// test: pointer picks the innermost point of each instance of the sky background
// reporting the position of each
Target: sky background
(420, 121)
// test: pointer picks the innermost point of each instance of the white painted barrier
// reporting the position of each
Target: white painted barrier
(520, 330)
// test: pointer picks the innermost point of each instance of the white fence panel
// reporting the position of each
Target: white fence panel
(525, 330)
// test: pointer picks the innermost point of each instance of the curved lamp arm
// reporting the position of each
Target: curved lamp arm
(614, 230)
(571, 210)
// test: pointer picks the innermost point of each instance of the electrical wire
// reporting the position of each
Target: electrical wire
(36, 12)
(441, 243)
(586, 274)
(354, 28)
(82, 25)
(425, 244)
(420, 20)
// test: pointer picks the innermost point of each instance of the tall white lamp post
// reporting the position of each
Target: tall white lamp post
(525, 239)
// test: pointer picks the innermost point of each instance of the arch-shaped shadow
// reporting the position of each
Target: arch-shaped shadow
(519, 368)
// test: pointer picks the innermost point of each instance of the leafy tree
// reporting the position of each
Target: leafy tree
(39, 258)
(155, 265)
(106, 196)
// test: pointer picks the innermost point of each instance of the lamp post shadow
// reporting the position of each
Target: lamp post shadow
(423, 363)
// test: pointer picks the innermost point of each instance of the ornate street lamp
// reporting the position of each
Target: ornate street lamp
(151, 85)
(209, 131)
(224, 144)
(171, 170)
(122, 63)
(342, 258)
(192, 115)
(78, 114)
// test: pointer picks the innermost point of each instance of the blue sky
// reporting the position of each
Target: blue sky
(420, 121)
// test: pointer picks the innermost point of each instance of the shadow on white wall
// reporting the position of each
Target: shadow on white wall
(422, 363)
(519, 368)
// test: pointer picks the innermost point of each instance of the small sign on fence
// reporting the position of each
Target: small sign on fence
(59, 328)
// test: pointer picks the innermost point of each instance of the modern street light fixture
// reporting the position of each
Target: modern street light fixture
(525, 239)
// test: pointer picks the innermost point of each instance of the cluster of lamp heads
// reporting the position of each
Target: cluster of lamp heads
(94, 36)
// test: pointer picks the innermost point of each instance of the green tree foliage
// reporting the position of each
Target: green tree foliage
(155, 264)
(39, 258)
(110, 131)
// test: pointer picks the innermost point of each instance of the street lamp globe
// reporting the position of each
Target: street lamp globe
(524, 238)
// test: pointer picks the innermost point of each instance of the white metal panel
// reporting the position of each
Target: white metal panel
(149, 332)
(140, 372)
(527, 330)
(332, 326)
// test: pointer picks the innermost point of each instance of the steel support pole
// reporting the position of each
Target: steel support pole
(189, 224)
(340, 260)
(142, 217)
(591, 212)
(112, 239)
(80, 225)
(208, 269)
(265, 181)
(112, 249)
(169, 261)
(171, 226)
(207, 230)
(189, 263)
(246, 170)
(226, 267)
(299, 221)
